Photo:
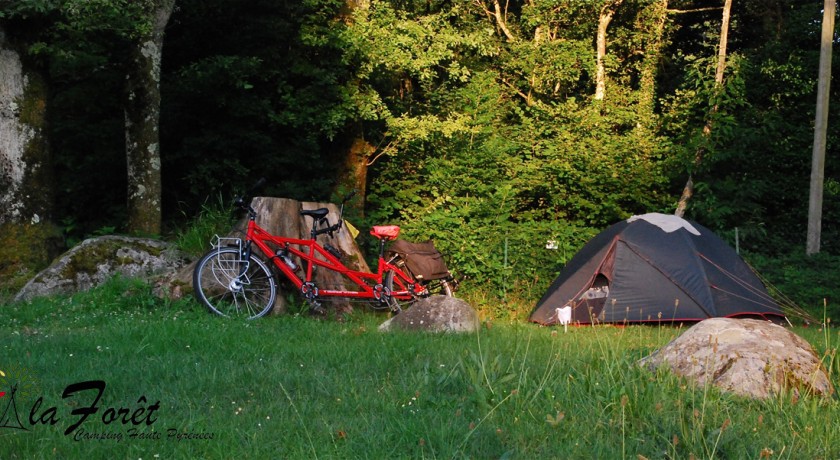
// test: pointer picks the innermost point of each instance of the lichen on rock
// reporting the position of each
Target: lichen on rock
(748, 357)
(97, 260)
(436, 313)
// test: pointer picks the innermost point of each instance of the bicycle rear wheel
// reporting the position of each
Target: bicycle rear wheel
(443, 286)
(230, 286)
(393, 283)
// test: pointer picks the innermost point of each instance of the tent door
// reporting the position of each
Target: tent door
(593, 299)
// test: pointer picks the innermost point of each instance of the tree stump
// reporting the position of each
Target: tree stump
(281, 216)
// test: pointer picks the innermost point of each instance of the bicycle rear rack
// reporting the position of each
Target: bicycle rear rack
(224, 241)
(238, 264)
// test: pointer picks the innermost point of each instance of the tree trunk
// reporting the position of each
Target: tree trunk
(820, 125)
(142, 117)
(353, 174)
(26, 185)
(604, 19)
(652, 56)
(688, 190)
(499, 15)
(357, 158)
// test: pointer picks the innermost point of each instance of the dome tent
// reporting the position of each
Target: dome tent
(659, 268)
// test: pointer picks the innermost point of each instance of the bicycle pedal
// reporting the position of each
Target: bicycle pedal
(317, 310)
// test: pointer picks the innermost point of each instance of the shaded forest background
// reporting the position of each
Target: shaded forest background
(478, 124)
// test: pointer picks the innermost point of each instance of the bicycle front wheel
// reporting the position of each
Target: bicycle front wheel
(230, 286)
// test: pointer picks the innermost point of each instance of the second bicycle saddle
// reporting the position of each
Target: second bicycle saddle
(319, 213)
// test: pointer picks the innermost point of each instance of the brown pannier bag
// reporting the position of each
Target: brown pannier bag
(422, 259)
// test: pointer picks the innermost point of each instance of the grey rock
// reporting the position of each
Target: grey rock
(436, 313)
(748, 357)
(96, 260)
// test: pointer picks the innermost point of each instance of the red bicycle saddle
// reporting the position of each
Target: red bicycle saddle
(388, 232)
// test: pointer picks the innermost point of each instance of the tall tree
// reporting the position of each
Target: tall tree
(820, 125)
(133, 32)
(25, 171)
(688, 190)
(354, 171)
(142, 118)
(654, 35)
(605, 17)
(138, 26)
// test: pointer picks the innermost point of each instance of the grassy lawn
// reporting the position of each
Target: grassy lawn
(191, 385)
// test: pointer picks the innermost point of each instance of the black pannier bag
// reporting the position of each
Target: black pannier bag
(422, 259)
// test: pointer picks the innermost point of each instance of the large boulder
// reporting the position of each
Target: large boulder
(436, 313)
(96, 260)
(748, 357)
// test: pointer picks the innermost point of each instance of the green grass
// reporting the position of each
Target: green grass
(295, 387)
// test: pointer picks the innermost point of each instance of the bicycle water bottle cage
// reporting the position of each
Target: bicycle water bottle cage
(333, 250)
(319, 213)
(386, 232)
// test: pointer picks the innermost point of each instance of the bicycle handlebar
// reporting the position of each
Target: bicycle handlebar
(330, 229)
(239, 201)
(337, 226)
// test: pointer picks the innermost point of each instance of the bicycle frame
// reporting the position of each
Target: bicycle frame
(312, 254)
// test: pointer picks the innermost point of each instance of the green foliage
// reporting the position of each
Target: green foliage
(405, 64)
(26, 8)
(215, 218)
(755, 176)
(494, 163)
(129, 19)
(253, 90)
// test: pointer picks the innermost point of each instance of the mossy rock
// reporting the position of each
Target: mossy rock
(97, 260)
